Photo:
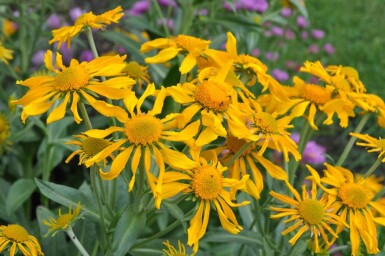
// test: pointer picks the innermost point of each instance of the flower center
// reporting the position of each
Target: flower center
(213, 95)
(92, 146)
(136, 71)
(15, 233)
(143, 129)
(190, 43)
(380, 142)
(64, 220)
(72, 79)
(3, 125)
(311, 211)
(316, 94)
(207, 182)
(354, 195)
(234, 145)
(265, 123)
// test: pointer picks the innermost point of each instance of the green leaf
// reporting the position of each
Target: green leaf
(300, 6)
(68, 196)
(19, 192)
(176, 212)
(127, 230)
(244, 237)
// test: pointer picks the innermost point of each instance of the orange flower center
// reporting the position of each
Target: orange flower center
(354, 195)
(213, 96)
(190, 43)
(207, 182)
(234, 145)
(72, 79)
(136, 71)
(64, 220)
(143, 129)
(311, 211)
(92, 146)
(15, 233)
(316, 94)
(265, 123)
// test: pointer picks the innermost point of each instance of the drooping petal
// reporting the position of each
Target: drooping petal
(117, 165)
(59, 112)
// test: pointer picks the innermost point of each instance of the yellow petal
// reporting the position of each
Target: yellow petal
(134, 166)
(163, 56)
(231, 45)
(187, 64)
(59, 112)
(100, 134)
(117, 165)
(74, 107)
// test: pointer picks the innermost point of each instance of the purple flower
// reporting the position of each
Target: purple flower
(277, 31)
(230, 8)
(167, 3)
(256, 52)
(138, 8)
(289, 34)
(289, 64)
(317, 33)
(38, 58)
(313, 48)
(272, 56)
(168, 22)
(304, 35)
(75, 13)
(202, 12)
(280, 75)
(53, 21)
(328, 48)
(66, 53)
(285, 12)
(254, 5)
(302, 22)
(313, 153)
(86, 55)
(267, 33)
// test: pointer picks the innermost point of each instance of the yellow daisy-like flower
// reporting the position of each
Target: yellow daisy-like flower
(137, 72)
(14, 238)
(214, 101)
(73, 82)
(5, 54)
(89, 147)
(376, 145)
(208, 186)
(63, 222)
(171, 47)
(172, 251)
(144, 135)
(312, 214)
(67, 33)
(353, 201)
(5, 130)
(9, 27)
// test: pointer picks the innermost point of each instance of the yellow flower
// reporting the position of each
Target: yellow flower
(63, 222)
(376, 145)
(67, 33)
(312, 214)
(171, 251)
(76, 81)
(145, 136)
(5, 54)
(89, 147)
(9, 27)
(213, 100)
(5, 130)
(206, 183)
(137, 72)
(171, 47)
(353, 202)
(15, 237)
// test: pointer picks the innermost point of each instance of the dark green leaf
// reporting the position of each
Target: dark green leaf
(19, 192)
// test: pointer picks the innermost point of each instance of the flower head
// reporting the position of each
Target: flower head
(9, 27)
(67, 33)
(5, 54)
(14, 238)
(71, 83)
(375, 145)
(5, 130)
(172, 251)
(63, 222)
(310, 213)
(137, 72)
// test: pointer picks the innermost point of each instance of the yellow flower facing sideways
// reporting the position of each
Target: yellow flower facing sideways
(311, 214)
(73, 83)
(373, 144)
(144, 136)
(208, 186)
(66, 33)
(172, 251)
(15, 238)
(5, 54)
(353, 202)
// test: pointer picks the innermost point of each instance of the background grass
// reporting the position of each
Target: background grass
(356, 29)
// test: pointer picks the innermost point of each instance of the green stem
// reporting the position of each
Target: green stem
(140, 183)
(159, 12)
(373, 167)
(379, 194)
(94, 173)
(238, 153)
(351, 141)
(85, 116)
(91, 42)
(76, 241)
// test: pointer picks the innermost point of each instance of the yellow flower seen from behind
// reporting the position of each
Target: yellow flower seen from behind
(373, 144)
(5, 54)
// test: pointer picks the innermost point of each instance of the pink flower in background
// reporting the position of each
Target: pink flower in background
(329, 49)
(138, 8)
(313, 152)
(304, 35)
(53, 21)
(254, 5)
(256, 52)
(168, 22)
(167, 3)
(277, 31)
(302, 22)
(285, 12)
(317, 33)
(313, 48)
(267, 33)
(202, 12)
(86, 55)
(38, 58)
(289, 34)
(229, 7)
(272, 56)
(280, 75)
(75, 13)
(292, 65)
